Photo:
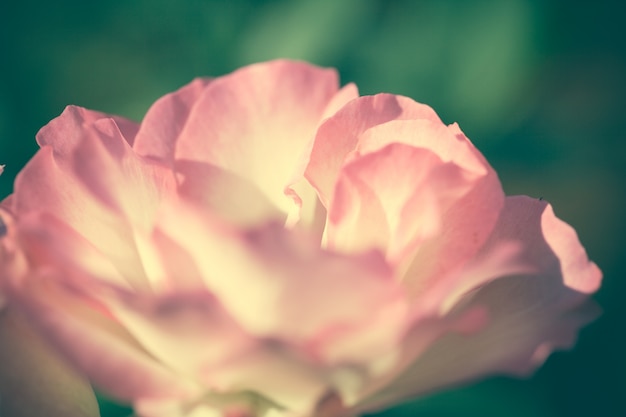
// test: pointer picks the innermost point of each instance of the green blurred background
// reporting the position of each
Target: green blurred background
(539, 86)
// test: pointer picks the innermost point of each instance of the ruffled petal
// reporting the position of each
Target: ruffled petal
(393, 200)
(44, 185)
(188, 331)
(424, 333)
(447, 142)
(467, 222)
(339, 135)
(258, 123)
(530, 315)
(52, 242)
(66, 131)
(59, 294)
(429, 198)
(111, 171)
(81, 328)
(310, 214)
(276, 268)
(85, 147)
(346, 94)
(192, 334)
(61, 215)
(164, 121)
(229, 195)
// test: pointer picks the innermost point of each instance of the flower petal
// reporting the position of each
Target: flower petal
(277, 267)
(89, 147)
(530, 315)
(339, 135)
(66, 131)
(346, 94)
(48, 187)
(258, 123)
(99, 187)
(50, 241)
(119, 178)
(429, 198)
(234, 198)
(98, 346)
(466, 222)
(186, 331)
(164, 121)
(448, 142)
(45, 185)
(425, 332)
(393, 200)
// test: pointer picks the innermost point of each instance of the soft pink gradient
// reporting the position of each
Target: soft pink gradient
(268, 242)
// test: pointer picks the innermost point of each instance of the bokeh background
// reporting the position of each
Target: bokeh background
(539, 86)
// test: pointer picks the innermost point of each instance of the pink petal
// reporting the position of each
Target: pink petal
(551, 247)
(297, 340)
(84, 302)
(12, 260)
(467, 222)
(278, 267)
(448, 142)
(234, 198)
(164, 121)
(97, 345)
(191, 333)
(107, 193)
(425, 332)
(99, 188)
(258, 123)
(491, 262)
(347, 93)
(429, 198)
(339, 135)
(578, 272)
(45, 185)
(181, 274)
(127, 183)
(311, 213)
(186, 331)
(530, 315)
(93, 146)
(35, 381)
(72, 307)
(393, 200)
(67, 130)
(50, 241)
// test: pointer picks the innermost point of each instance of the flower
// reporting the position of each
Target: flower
(266, 243)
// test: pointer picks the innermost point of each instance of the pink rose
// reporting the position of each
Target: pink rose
(265, 242)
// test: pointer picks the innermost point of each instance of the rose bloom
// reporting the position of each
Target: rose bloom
(268, 244)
